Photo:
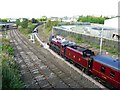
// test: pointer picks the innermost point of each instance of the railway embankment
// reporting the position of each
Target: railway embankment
(10, 76)
(110, 48)
(46, 70)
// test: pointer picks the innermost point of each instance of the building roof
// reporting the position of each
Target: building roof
(65, 27)
(106, 60)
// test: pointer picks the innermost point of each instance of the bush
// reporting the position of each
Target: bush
(31, 27)
(11, 76)
(10, 70)
(24, 23)
(18, 22)
(10, 50)
(6, 47)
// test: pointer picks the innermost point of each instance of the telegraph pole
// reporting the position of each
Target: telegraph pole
(101, 37)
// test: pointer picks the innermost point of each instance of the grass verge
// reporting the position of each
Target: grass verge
(11, 78)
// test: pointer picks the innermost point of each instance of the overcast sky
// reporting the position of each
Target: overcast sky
(60, 8)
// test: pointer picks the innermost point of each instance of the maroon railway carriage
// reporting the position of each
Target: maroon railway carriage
(108, 69)
(105, 68)
(79, 55)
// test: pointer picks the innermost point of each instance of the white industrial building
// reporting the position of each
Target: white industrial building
(93, 30)
(113, 23)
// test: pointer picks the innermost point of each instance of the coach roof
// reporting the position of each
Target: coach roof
(106, 60)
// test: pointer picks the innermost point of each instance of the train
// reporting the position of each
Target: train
(9, 26)
(103, 68)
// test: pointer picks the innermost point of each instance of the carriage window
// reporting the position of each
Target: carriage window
(102, 69)
(112, 74)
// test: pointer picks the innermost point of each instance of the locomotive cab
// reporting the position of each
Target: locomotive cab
(87, 53)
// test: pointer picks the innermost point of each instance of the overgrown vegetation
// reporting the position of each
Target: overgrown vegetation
(17, 22)
(4, 20)
(28, 30)
(78, 40)
(10, 70)
(48, 26)
(26, 26)
(92, 19)
(24, 23)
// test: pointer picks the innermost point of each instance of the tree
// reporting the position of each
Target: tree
(0, 20)
(43, 18)
(24, 23)
(4, 20)
(92, 19)
(17, 22)
(34, 20)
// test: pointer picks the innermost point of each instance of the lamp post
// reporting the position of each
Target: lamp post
(101, 34)
(52, 30)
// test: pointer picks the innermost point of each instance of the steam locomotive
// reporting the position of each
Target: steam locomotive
(105, 69)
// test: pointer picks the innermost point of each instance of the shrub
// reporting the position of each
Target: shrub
(24, 23)
(11, 77)
(10, 70)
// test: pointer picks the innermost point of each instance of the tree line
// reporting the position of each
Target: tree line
(92, 19)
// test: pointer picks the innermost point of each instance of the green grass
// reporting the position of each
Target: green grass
(78, 40)
(37, 43)
(112, 50)
(10, 71)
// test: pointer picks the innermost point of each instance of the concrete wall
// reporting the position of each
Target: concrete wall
(89, 39)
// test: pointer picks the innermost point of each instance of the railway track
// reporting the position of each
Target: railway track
(40, 69)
